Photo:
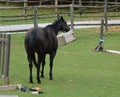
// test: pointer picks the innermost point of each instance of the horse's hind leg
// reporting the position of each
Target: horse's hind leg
(30, 68)
(38, 71)
(38, 68)
(43, 65)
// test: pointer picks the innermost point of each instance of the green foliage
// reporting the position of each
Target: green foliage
(78, 70)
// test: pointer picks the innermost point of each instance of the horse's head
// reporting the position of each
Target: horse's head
(63, 25)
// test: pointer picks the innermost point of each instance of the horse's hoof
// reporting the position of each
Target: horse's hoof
(39, 82)
(42, 76)
(51, 79)
(31, 82)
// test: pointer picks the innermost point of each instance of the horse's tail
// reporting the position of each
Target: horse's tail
(31, 57)
(30, 52)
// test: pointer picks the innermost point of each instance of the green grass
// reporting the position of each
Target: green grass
(78, 70)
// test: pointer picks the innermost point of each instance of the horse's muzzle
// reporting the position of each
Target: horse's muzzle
(67, 29)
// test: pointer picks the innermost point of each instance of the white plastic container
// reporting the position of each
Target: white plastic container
(65, 38)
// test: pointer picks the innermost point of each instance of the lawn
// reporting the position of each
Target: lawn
(78, 70)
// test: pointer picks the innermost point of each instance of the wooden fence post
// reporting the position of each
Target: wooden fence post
(105, 16)
(35, 17)
(40, 2)
(25, 3)
(100, 47)
(80, 9)
(25, 8)
(56, 8)
(7, 2)
(72, 16)
(25, 11)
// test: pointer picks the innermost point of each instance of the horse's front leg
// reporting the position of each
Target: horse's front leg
(52, 55)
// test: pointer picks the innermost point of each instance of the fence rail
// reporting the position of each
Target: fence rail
(60, 6)
(69, 2)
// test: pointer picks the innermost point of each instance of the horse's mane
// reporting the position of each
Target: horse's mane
(56, 22)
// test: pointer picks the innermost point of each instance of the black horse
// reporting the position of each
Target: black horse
(43, 41)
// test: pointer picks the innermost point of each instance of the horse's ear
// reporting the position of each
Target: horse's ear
(62, 18)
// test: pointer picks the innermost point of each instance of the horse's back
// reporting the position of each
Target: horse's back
(40, 39)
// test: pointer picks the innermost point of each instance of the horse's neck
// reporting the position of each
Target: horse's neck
(54, 28)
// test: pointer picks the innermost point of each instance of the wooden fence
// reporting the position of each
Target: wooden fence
(4, 56)
(80, 2)
(72, 12)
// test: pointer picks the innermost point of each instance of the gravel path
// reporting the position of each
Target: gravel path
(24, 27)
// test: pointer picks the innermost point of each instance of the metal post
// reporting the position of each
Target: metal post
(35, 17)
(3, 54)
(7, 59)
(0, 54)
(72, 16)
